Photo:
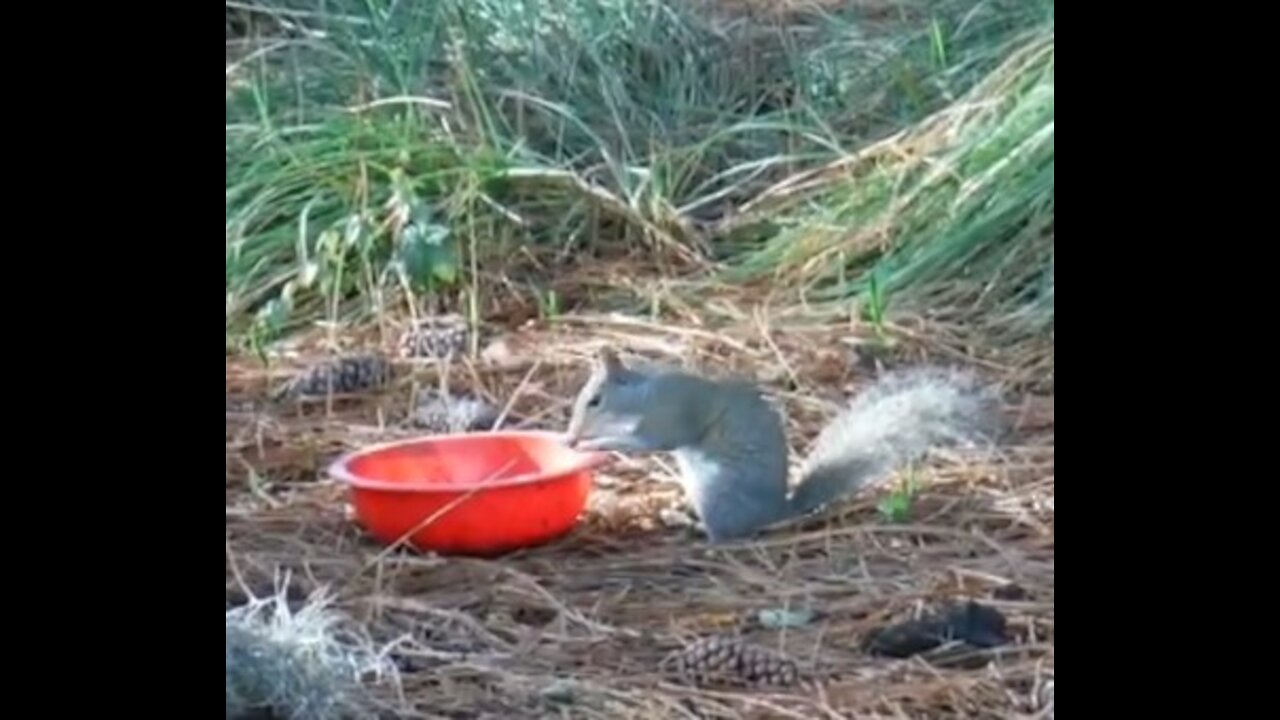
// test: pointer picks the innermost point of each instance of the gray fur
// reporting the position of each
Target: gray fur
(736, 473)
(895, 421)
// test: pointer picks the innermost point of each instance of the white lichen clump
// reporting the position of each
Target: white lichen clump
(303, 664)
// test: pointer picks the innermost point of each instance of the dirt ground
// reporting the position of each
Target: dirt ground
(588, 626)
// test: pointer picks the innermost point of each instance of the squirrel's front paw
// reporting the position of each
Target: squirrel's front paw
(678, 517)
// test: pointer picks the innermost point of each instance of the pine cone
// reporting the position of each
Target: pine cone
(343, 376)
(443, 414)
(435, 337)
(732, 658)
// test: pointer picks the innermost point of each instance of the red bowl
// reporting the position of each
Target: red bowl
(476, 493)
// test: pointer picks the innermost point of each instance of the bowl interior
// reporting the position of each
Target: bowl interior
(459, 462)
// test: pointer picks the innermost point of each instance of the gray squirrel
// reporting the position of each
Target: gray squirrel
(731, 450)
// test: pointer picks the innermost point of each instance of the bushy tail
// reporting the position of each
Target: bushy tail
(894, 421)
(283, 664)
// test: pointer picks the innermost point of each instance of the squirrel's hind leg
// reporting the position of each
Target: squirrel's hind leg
(727, 504)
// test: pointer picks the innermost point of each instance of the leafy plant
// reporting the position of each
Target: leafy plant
(897, 505)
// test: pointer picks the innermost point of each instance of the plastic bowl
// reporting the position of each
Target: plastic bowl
(529, 488)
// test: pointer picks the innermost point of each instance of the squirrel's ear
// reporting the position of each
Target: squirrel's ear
(608, 361)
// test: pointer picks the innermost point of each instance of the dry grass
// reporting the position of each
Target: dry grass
(581, 627)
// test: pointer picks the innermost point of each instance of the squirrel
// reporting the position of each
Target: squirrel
(729, 444)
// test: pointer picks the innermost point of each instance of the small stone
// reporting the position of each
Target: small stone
(560, 691)
(500, 354)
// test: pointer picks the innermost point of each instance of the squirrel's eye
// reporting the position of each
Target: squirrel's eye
(594, 402)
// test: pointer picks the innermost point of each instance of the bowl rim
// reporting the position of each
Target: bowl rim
(340, 467)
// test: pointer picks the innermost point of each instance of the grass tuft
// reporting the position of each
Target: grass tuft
(375, 148)
(957, 209)
(304, 663)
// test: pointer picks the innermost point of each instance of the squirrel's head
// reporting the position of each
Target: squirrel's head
(610, 406)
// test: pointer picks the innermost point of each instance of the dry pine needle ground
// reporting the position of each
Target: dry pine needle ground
(614, 620)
